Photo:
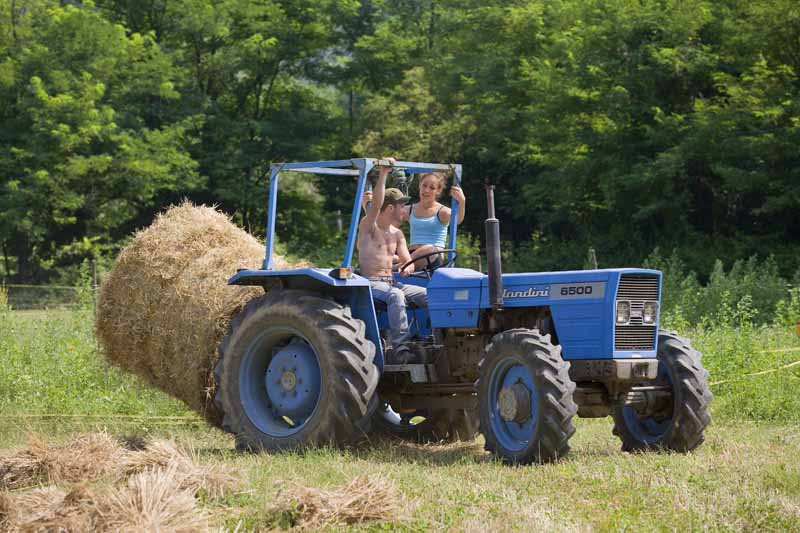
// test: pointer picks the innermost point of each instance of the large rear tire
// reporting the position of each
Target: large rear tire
(681, 426)
(296, 370)
(525, 398)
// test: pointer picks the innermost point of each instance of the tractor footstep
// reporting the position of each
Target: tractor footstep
(420, 373)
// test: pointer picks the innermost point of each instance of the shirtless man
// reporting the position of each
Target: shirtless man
(379, 240)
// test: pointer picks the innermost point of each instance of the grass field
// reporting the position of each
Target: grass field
(746, 475)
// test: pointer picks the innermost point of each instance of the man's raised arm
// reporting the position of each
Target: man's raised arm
(377, 195)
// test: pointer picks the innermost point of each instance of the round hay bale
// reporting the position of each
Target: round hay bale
(166, 304)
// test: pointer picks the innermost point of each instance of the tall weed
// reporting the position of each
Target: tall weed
(735, 355)
(680, 290)
(540, 253)
(468, 248)
(760, 282)
(787, 312)
(754, 288)
(3, 298)
(728, 320)
(84, 285)
(50, 364)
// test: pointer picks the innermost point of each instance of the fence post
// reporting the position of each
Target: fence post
(592, 259)
(94, 286)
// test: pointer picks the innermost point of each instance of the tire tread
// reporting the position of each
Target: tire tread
(691, 413)
(556, 428)
(350, 355)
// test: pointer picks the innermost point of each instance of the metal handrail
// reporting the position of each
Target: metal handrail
(357, 167)
(349, 167)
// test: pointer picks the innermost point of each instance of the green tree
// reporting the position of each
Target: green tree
(83, 149)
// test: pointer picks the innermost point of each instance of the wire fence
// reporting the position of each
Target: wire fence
(20, 297)
(26, 297)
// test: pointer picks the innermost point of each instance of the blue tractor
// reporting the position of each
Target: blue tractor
(512, 356)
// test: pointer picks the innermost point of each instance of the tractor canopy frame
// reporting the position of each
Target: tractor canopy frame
(360, 168)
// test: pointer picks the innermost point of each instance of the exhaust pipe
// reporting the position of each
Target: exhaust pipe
(493, 252)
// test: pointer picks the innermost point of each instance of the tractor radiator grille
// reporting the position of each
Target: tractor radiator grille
(636, 288)
(635, 338)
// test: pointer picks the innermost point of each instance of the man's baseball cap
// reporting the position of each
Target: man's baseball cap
(394, 196)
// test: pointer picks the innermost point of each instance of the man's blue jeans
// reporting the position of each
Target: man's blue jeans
(395, 295)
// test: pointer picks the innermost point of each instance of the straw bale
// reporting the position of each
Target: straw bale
(365, 498)
(165, 305)
(84, 458)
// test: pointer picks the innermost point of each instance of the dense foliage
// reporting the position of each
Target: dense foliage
(624, 125)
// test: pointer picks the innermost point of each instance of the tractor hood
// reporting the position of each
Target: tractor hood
(454, 296)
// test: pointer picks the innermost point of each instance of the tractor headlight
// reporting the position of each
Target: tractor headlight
(650, 312)
(623, 312)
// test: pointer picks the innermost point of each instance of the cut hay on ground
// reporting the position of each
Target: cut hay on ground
(29, 507)
(190, 475)
(365, 498)
(51, 509)
(93, 456)
(152, 489)
(84, 458)
(165, 305)
(154, 500)
(149, 501)
(7, 512)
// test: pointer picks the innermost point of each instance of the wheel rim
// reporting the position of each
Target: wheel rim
(279, 382)
(646, 428)
(512, 394)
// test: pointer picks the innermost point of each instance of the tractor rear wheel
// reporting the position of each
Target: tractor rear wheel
(433, 425)
(680, 424)
(525, 398)
(295, 370)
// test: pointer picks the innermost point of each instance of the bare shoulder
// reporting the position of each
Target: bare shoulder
(365, 221)
(444, 213)
(397, 233)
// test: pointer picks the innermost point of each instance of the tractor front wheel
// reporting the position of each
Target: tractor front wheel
(295, 370)
(525, 398)
(680, 423)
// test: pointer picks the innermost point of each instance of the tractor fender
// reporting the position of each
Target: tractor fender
(354, 291)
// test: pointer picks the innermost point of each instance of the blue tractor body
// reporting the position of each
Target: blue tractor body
(582, 304)
(514, 356)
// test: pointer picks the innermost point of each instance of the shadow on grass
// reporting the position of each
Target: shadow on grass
(388, 449)
(374, 449)
(591, 445)
(392, 450)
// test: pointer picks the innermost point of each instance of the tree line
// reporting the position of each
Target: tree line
(622, 125)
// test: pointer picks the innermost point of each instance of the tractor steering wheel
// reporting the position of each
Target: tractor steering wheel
(430, 267)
